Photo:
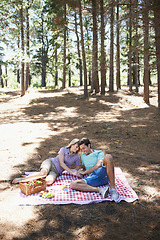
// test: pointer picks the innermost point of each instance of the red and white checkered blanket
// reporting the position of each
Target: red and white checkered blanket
(65, 195)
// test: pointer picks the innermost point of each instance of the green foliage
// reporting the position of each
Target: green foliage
(47, 21)
(13, 83)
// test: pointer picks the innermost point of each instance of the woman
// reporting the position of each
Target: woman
(51, 168)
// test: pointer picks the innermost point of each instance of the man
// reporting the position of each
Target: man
(100, 168)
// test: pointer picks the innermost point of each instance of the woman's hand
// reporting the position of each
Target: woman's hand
(77, 174)
(81, 171)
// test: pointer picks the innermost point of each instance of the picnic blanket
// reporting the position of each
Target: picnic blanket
(63, 194)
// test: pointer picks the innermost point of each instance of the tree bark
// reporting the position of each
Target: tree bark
(2, 84)
(136, 50)
(18, 64)
(118, 52)
(83, 52)
(111, 76)
(69, 68)
(27, 45)
(22, 49)
(64, 51)
(95, 49)
(56, 70)
(146, 54)
(89, 62)
(130, 47)
(157, 42)
(43, 60)
(78, 50)
(103, 60)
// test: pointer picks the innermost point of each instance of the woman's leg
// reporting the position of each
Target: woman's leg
(42, 174)
(44, 170)
(47, 171)
(50, 179)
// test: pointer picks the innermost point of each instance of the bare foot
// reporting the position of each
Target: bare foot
(16, 180)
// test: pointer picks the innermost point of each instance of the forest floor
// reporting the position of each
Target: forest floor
(35, 126)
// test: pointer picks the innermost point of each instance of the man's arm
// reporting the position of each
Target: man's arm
(92, 169)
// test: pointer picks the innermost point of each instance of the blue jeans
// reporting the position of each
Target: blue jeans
(97, 178)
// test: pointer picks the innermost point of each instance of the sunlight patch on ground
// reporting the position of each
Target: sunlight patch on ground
(149, 193)
(67, 112)
(10, 208)
(81, 232)
(129, 178)
(106, 117)
(150, 169)
(138, 125)
(23, 136)
(64, 128)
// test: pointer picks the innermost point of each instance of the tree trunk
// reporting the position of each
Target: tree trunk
(127, 41)
(89, 62)
(64, 52)
(136, 49)
(78, 50)
(139, 82)
(18, 75)
(111, 75)
(83, 52)
(43, 60)
(69, 68)
(18, 64)
(69, 77)
(22, 49)
(6, 73)
(89, 78)
(130, 47)
(146, 55)
(95, 49)
(118, 52)
(56, 70)
(2, 84)
(27, 43)
(103, 60)
(157, 42)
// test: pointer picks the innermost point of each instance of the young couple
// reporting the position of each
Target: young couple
(99, 167)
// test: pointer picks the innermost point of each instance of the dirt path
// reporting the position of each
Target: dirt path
(33, 127)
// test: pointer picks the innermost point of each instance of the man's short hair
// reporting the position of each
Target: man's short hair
(85, 141)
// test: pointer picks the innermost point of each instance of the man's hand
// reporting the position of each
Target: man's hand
(77, 174)
(81, 171)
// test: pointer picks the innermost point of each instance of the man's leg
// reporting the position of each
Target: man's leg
(108, 162)
(80, 185)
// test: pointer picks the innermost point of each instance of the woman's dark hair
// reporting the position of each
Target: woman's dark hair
(85, 141)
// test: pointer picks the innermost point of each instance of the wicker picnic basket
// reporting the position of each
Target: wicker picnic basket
(33, 188)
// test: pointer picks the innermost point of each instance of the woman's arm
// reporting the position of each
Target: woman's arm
(78, 167)
(64, 166)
